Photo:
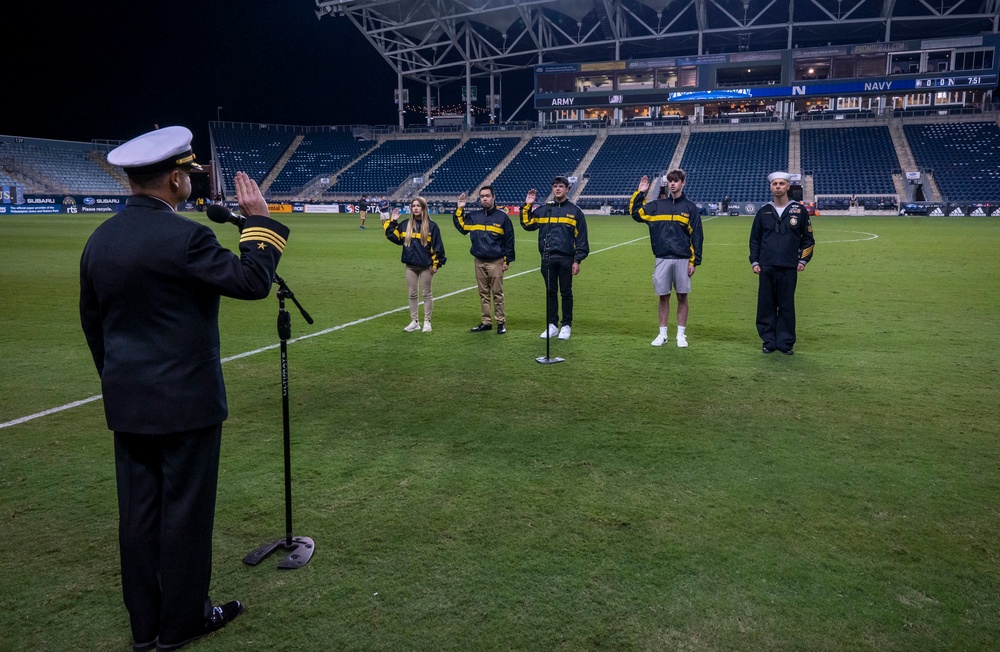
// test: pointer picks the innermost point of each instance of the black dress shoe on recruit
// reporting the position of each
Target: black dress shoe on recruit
(767, 349)
(788, 351)
(144, 647)
(501, 328)
(221, 616)
(480, 328)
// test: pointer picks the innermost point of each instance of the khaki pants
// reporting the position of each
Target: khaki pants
(419, 278)
(489, 278)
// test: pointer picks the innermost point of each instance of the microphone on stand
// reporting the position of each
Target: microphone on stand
(220, 214)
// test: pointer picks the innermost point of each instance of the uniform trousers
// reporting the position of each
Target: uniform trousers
(558, 274)
(166, 511)
(418, 279)
(776, 306)
(489, 278)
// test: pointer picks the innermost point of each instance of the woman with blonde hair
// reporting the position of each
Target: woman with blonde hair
(423, 255)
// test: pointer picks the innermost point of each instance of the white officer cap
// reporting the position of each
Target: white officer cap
(156, 151)
(779, 175)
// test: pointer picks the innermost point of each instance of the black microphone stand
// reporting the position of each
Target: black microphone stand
(300, 549)
(546, 359)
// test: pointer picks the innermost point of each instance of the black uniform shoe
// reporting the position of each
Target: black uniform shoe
(145, 647)
(501, 328)
(221, 616)
(767, 349)
(788, 351)
(480, 328)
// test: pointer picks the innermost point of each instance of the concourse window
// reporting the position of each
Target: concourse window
(904, 63)
(556, 83)
(939, 61)
(593, 81)
(748, 75)
(845, 67)
(871, 65)
(666, 78)
(812, 68)
(635, 79)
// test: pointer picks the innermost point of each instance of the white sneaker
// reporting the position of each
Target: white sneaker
(660, 340)
(414, 326)
(682, 341)
(564, 333)
(552, 331)
(427, 327)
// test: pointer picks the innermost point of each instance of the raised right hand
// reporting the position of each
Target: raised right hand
(530, 199)
(461, 200)
(644, 183)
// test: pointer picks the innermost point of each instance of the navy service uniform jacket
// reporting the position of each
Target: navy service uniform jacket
(561, 225)
(674, 226)
(491, 233)
(150, 283)
(417, 254)
(781, 240)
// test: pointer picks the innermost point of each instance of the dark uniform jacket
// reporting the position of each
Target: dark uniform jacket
(150, 282)
(561, 225)
(674, 226)
(781, 239)
(491, 233)
(418, 254)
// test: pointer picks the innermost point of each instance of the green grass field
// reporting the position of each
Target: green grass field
(463, 497)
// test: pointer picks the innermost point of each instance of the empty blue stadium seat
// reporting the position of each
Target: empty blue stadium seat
(963, 156)
(319, 154)
(542, 158)
(849, 160)
(470, 165)
(734, 163)
(624, 159)
(387, 166)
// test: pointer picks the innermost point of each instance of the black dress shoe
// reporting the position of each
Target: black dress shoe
(767, 349)
(145, 647)
(480, 328)
(221, 616)
(501, 328)
(788, 351)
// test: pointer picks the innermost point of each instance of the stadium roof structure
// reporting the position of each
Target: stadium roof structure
(435, 42)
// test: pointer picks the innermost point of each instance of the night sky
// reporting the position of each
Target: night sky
(113, 70)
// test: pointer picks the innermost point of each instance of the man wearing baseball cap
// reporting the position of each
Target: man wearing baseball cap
(781, 244)
(150, 288)
(562, 241)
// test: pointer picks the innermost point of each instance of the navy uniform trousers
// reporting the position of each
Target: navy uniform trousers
(166, 506)
(776, 306)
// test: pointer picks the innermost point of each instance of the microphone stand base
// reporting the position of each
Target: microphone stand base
(547, 360)
(300, 552)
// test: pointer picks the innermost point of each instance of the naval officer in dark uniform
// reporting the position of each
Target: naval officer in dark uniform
(781, 244)
(150, 283)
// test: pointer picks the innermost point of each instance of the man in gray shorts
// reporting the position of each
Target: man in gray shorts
(675, 234)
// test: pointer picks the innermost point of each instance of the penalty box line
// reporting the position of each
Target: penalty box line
(270, 347)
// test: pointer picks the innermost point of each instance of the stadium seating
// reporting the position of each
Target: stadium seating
(849, 160)
(319, 154)
(962, 155)
(734, 163)
(65, 166)
(540, 160)
(387, 166)
(624, 159)
(251, 148)
(470, 165)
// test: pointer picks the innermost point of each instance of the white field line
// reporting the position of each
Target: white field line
(269, 347)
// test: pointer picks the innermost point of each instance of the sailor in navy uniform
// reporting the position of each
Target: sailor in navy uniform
(150, 284)
(781, 244)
